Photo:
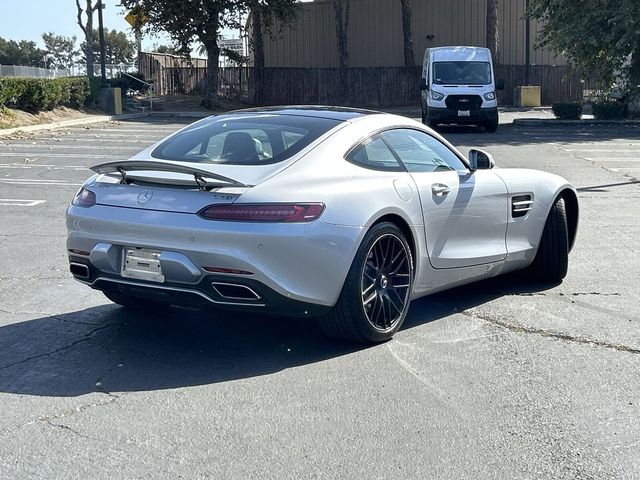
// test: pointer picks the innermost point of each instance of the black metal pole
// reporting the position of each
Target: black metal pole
(103, 67)
(527, 44)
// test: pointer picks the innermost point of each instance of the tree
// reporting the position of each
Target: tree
(23, 52)
(87, 29)
(189, 21)
(61, 50)
(262, 17)
(341, 9)
(409, 59)
(117, 47)
(164, 49)
(600, 36)
(493, 37)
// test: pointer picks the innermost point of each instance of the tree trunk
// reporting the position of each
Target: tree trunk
(493, 40)
(409, 59)
(211, 83)
(341, 9)
(258, 52)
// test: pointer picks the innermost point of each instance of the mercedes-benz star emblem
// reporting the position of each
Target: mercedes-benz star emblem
(144, 197)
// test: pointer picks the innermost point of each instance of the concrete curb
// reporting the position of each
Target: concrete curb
(540, 122)
(101, 118)
(69, 123)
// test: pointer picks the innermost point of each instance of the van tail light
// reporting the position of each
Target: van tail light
(264, 212)
(84, 198)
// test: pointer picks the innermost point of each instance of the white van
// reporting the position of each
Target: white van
(458, 86)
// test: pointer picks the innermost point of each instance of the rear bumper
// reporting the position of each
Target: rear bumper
(292, 266)
(256, 297)
(477, 116)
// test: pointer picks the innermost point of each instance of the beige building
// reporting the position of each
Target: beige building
(375, 33)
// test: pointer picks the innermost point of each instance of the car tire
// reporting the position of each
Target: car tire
(133, 303)
(375, 298)
(491, 126)
(552, 259)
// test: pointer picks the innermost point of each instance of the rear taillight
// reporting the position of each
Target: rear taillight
(84, 198)
(263, 212)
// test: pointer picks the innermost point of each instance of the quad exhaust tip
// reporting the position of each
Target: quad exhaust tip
(235, 292)
(79, 270)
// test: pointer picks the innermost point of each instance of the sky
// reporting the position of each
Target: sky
(28, 19)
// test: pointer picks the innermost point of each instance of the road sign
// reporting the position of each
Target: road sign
(136, 19)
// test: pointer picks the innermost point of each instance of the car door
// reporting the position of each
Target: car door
(465, 213)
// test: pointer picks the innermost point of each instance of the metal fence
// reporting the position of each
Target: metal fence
(112, 70)
(23, 71)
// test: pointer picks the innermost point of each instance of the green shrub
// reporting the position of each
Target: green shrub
(567, 111)
(95, 83)
(608, 110)
(76, 91)
(37, 94)
(11, 90)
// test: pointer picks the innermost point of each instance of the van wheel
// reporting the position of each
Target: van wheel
(491, 126)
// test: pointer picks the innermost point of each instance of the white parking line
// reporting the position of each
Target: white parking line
(23, 166)
(613, 159)
(58, 146)
(608, 150)
(14, 202)
(54, 155)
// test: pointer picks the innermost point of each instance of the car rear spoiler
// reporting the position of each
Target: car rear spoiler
(200, 176)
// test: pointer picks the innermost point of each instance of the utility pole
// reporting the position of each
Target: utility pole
(101, 32)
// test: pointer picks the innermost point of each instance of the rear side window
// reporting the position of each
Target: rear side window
(374, 153)
(244, 139)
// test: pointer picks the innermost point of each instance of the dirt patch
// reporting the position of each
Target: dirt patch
(188, 103)
(10, 118)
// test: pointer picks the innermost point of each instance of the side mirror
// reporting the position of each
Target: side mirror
(481, 160)
(500, 84)
(423, 84)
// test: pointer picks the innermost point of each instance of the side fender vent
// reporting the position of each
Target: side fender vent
(520, 205)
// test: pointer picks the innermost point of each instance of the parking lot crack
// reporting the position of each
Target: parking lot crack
(551, 334)
(68, 429)
(51, 419)
(86, 337)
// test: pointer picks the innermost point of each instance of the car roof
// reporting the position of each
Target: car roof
(317, 111)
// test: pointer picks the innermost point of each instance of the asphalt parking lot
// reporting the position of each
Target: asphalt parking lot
(499, 379)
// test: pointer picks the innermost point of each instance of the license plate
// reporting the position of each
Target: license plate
(141, 264)
(464, 113)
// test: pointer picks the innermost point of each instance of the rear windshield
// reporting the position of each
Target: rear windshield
(462, 73)
(244, 139)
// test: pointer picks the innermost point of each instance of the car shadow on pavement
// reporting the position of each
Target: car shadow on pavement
(109, 349)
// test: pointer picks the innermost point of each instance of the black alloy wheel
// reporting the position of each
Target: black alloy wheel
(376, 294)
(385, 282)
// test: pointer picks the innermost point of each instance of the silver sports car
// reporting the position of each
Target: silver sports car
(327, 212)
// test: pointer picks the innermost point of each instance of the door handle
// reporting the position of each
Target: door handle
(440, 189)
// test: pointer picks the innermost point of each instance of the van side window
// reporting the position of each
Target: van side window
(374, 153)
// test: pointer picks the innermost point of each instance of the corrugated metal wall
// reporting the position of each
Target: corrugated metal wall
(375, 33)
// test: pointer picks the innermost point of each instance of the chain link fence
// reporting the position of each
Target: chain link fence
(113, 70)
